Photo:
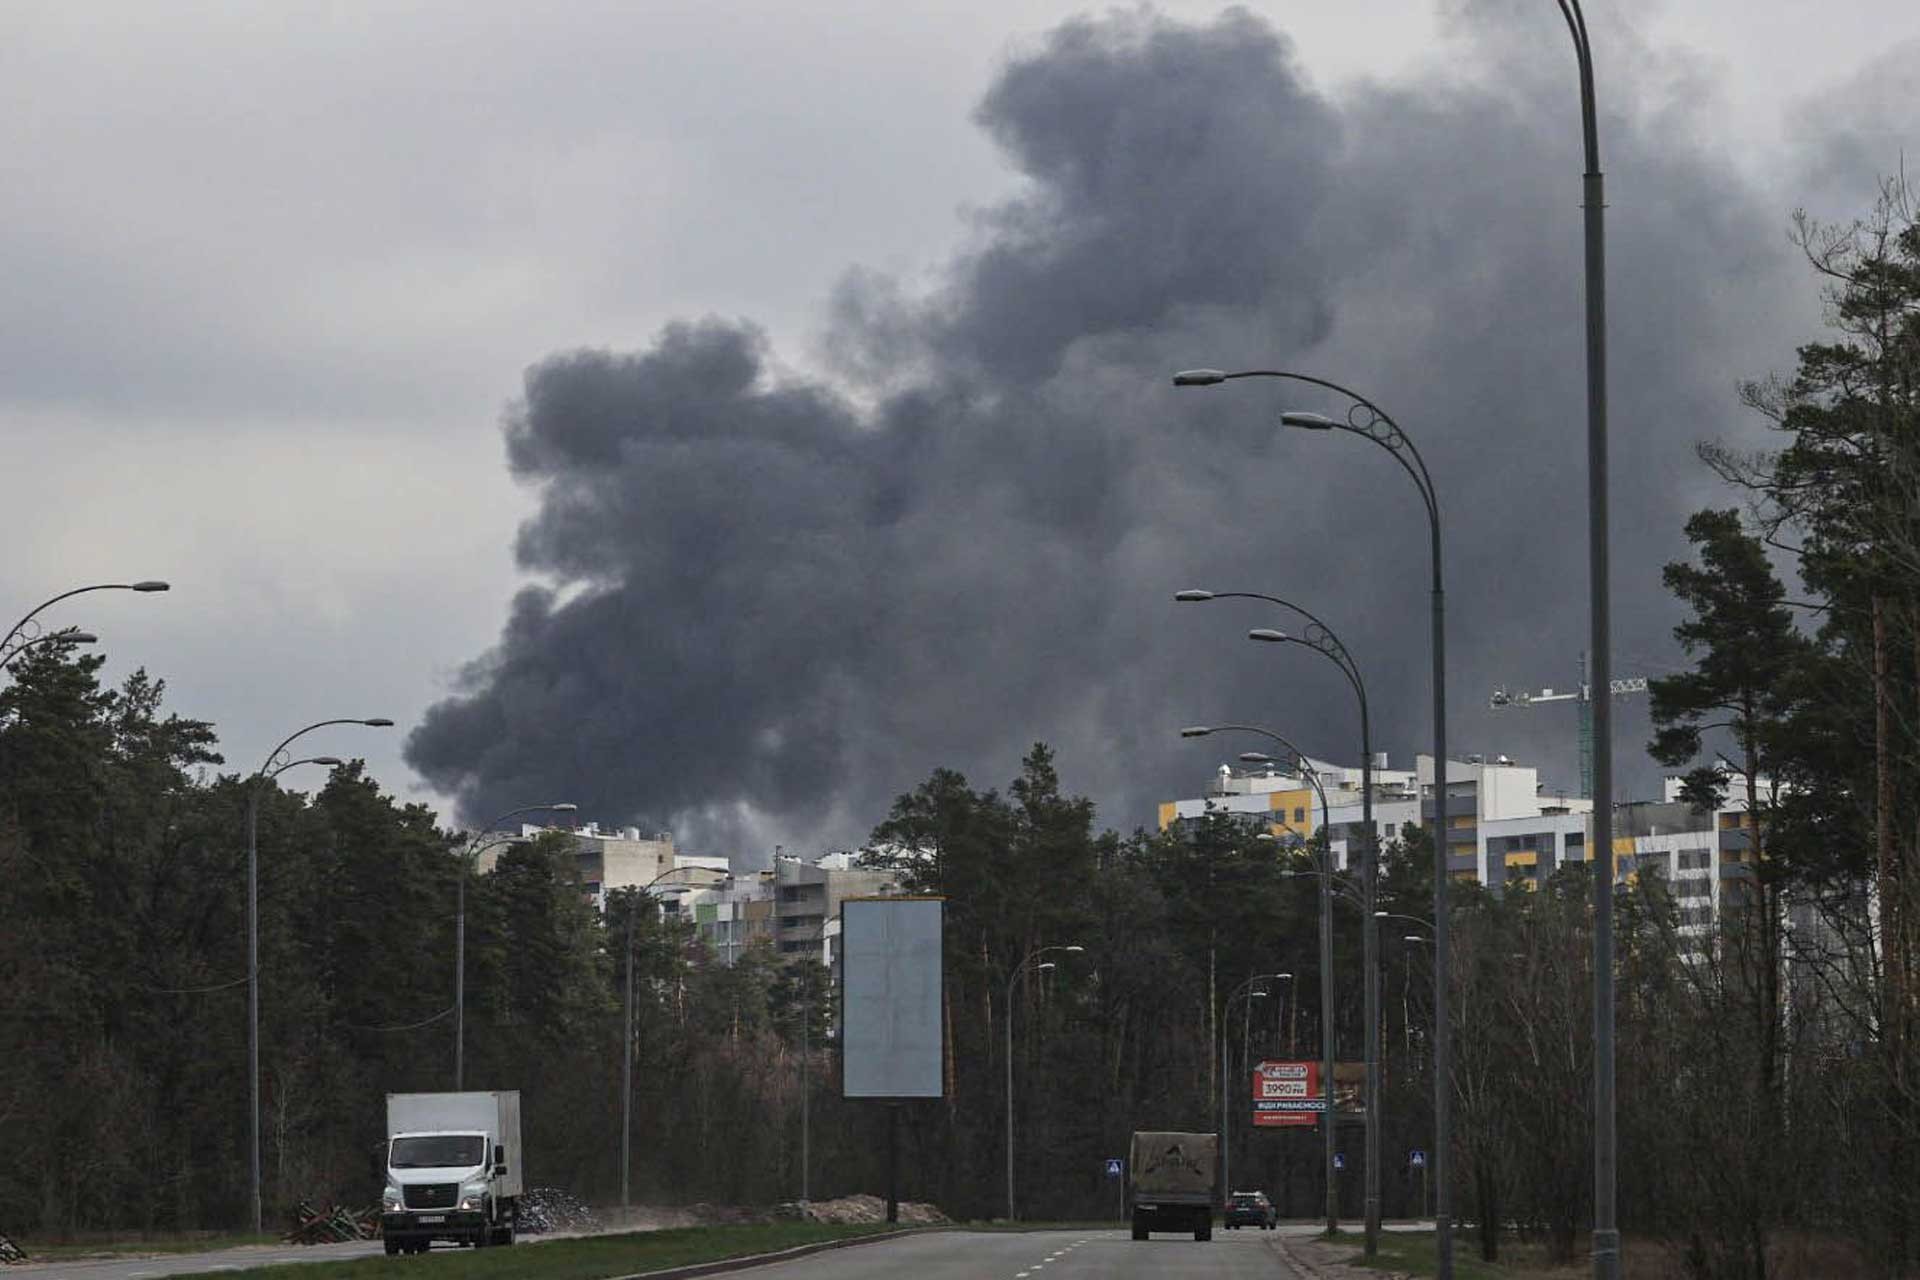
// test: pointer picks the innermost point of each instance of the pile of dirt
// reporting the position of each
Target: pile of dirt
(861, 1208)
(544, 1209)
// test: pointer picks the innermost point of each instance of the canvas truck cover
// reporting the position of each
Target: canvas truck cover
(1175, 1166)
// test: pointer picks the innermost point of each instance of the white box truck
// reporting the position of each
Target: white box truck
(454, 1170)
(1172, 1181)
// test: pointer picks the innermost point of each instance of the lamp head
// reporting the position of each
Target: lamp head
(1196, 731)
(151, 584)
(332, 762)
(378, 722)
(1283, 977)
(564, 808)
(1255, 757)
(1073, 947)
(1044, 966)
(1413, 937)
(1307, 421)
(1256, 994)
(82, 637)
(1199, 378)
(1267, 634)
(1192, 596)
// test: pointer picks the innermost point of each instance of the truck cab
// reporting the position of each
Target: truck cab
(453, 1170)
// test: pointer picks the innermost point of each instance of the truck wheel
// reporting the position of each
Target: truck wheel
(1203, 1233)
(393, 1247)
(1139, 1227)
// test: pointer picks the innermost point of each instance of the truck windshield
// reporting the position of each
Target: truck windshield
(442, 1151)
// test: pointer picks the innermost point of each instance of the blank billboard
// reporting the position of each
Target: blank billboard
(892, 1043)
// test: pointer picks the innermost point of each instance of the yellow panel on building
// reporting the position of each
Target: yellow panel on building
(1523, 858)
(1294, 807)
(1167, 814)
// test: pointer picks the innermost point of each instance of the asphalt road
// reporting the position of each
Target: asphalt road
(940, 1255)
(1041, 1255)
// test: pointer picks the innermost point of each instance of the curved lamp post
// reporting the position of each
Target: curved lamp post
(1606, 1230)
(1370, 422)
(467, 856)
(1307, 771)
(1026, 962)
(19, 628)
(1321, 638)
(278, 761)
(626, 1048)
(70, 636)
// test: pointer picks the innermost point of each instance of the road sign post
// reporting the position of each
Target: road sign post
(1418, 1159)
(1116, 1169)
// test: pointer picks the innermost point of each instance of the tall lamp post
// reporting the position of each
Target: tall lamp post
(467, 856)
(1370, 422)
(1226, 1012)
(1606, 1229)
(1321, 638)
(1026, 963)
(278, 762)
(19, 630)
(1307, 771)
(626, 1055)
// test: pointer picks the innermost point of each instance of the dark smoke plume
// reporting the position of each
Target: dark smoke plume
(781, 602)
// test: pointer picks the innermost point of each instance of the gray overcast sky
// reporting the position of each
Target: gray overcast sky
(273, 272)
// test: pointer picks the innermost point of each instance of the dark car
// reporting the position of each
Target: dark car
(1251, 1209)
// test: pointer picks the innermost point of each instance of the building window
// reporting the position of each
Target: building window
(1299, 814)
(1390, 827)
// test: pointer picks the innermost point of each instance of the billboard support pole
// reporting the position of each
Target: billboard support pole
(893, 1163)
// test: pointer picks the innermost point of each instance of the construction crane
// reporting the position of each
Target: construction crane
(1503, 698)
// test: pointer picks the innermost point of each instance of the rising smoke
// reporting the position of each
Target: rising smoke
(777, 603)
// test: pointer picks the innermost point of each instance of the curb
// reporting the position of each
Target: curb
(1294, 1260)
(746, 1260)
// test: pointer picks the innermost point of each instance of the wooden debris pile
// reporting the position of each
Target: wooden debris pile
(333, 1224)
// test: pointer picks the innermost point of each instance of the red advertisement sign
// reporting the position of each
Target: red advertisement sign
(1287, 1094)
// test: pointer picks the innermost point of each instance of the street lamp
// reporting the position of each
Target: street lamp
(69, 636)
(1370, 422)
(277, 762)
(1606, 1230)
(1395, 915)
(467, 857)
(1322, 640)
(1026, 961)
(1307, 771)
(18, 631)
(1226, 1012)
(626, 1055)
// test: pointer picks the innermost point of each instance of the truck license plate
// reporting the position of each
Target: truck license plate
(431, 1217)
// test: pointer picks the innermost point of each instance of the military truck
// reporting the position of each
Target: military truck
(1173, 1180)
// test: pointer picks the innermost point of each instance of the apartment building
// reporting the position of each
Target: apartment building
(610, 859)
(1482, 794)
(794, 905)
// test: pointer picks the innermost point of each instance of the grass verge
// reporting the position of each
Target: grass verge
(119, 1246)
(589, 1258)
(1415, 1252)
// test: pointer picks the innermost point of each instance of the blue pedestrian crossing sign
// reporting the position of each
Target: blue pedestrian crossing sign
(1113, 1168)
(1417, 1159)
(1339, 1160)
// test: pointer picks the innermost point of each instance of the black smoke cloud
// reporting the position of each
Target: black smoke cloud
(780, 602)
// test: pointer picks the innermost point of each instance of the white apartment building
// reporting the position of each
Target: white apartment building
(614, 858)
(1503, 828)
